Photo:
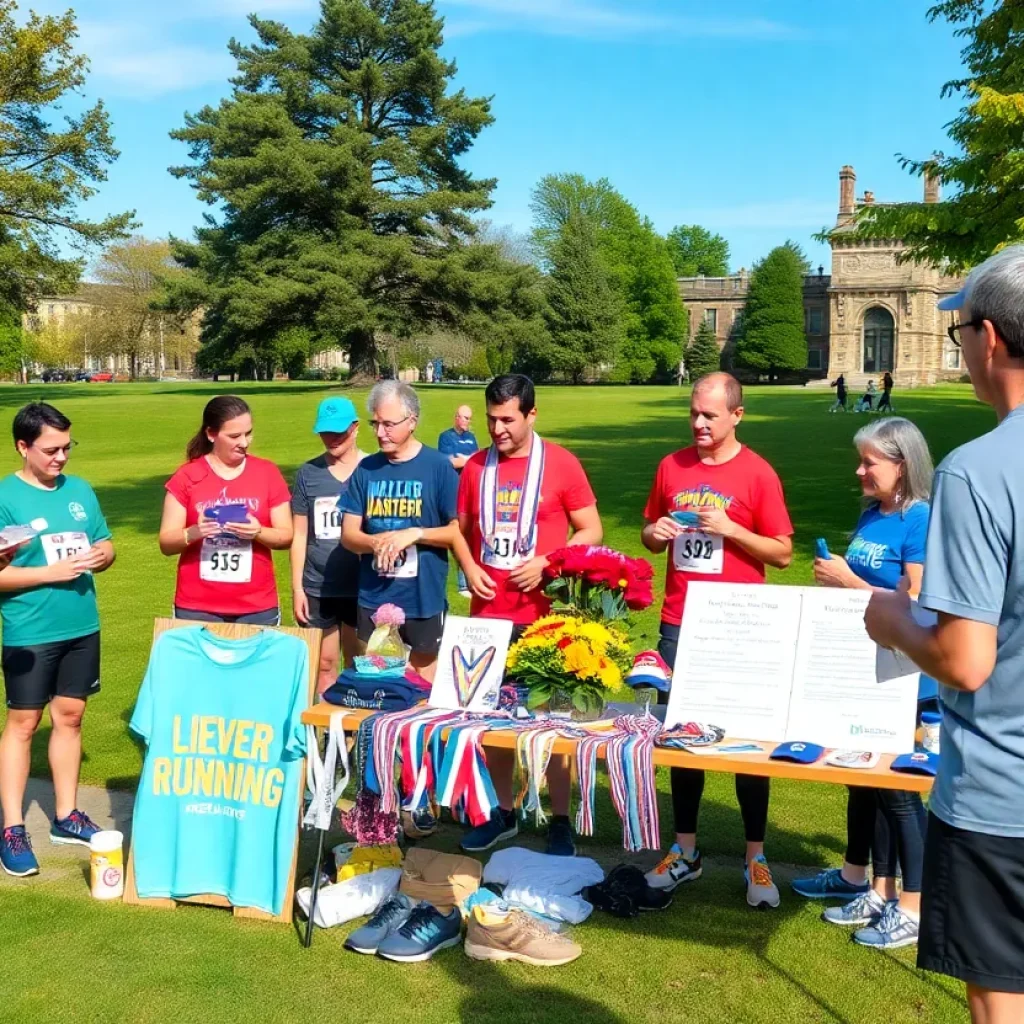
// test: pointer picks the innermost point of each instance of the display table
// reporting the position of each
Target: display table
(879, 777)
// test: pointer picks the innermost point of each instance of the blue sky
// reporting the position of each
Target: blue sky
(733, 115)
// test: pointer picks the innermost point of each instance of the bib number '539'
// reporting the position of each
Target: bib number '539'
(698, 552)
(225, 560)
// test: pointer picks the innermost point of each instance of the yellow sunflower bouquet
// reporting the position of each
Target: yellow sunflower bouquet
(562, 658)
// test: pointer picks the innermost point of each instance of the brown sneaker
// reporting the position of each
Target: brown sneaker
(515, 935)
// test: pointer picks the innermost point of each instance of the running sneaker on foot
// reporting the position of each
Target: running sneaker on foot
(761, 890)
(502, 825)
(16, 856)
(828, 885)
(894, 929)
(76, 829)
(390, 916)
(515, 935)
(674, 869)
(863, 910)
(425, 931)
(561, 842)
(466, 594)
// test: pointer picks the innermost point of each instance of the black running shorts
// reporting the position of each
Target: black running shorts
(36, 673)
(331, 612)
(972, 907)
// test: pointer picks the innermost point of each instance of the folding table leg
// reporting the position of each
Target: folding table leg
(315, 887)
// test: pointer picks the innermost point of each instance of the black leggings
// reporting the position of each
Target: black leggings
(752, 791)
(888, 827)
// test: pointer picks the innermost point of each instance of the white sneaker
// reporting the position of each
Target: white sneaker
(674, 869)
(863, 910)
(761, 890)
(894, 929)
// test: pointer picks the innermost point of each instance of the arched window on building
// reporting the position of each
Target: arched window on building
(879, 341)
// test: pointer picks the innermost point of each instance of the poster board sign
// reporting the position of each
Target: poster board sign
(789, 663)
(471, 664)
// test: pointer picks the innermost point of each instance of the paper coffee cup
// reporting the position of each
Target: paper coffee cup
(106, 861)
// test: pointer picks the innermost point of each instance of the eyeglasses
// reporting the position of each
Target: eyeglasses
(952, 329)
(66, 449)
(387, 425)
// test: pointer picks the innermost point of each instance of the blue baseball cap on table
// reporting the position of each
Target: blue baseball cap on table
(802, 753)
(334, 416)
(921, 762)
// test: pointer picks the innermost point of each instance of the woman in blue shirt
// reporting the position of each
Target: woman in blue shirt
(895, 472)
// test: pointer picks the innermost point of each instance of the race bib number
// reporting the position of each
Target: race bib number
(501, 552)
(326, 519)
(225, 560)
(698, 552)
(406, 567)
(58, 546)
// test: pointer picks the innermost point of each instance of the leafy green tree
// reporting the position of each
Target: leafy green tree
(342, 204)
(772, 336)
(638, 264)
(798, 251)
(985, 174)
(584, 315)
(12, 341)
(45, 171)
(703, 356)
(695, 250)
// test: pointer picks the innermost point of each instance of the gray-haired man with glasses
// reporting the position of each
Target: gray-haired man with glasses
(972, 911)
(401, 518)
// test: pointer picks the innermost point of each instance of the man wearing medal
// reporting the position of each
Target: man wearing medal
(518, 501)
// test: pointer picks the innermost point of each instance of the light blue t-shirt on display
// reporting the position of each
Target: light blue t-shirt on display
(883, 545)
(973, 571)
(217, 809)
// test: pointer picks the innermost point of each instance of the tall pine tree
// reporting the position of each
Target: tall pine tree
(703, 356)
(772, 336)
(584, 313)
(335, 170)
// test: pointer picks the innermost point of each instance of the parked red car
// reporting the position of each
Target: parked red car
(100, 377)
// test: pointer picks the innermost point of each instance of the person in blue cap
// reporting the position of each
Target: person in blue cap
(972, 907)
(885, 826)
(325, 577)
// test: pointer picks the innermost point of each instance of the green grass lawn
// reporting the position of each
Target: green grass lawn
(708, 958)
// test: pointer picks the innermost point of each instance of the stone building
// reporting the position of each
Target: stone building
(872, 314)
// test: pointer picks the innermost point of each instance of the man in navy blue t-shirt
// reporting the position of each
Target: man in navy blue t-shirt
(459, 443)
(400, 516)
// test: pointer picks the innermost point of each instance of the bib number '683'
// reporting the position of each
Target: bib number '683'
(698, 552)
(225, 560)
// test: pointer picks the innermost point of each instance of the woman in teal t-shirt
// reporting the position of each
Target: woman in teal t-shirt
(888, 543)
(51, 638)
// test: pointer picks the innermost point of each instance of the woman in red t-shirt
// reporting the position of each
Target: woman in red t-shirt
(224, 512)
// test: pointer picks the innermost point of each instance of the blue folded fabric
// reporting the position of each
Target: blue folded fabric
(392, 692)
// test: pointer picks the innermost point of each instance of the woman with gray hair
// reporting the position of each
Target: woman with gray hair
(888, 543)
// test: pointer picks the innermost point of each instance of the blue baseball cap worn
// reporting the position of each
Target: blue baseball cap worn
(921, 762)
(802, 753)
(334, 416)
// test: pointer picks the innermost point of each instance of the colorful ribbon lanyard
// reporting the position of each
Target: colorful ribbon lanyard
(529, 498)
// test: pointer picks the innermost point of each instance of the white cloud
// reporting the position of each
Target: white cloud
(582, 18)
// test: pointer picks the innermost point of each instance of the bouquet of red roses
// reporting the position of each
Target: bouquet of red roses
(598, 582)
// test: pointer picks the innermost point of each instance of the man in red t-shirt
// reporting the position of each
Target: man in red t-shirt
(518, 502)
(742, 526)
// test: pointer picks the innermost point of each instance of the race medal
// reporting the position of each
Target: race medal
(225, 560)
(499, 551)
(698, 552)
(326, 518)
(58, 546)
(406, 567)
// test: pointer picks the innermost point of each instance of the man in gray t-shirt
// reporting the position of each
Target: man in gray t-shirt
(972, 913)
(325, 576)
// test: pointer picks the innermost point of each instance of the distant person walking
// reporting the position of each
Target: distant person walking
(458, 442)
(224, 511)
(972, 907)
(886, 400)
(840, 385)
(867, 400)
